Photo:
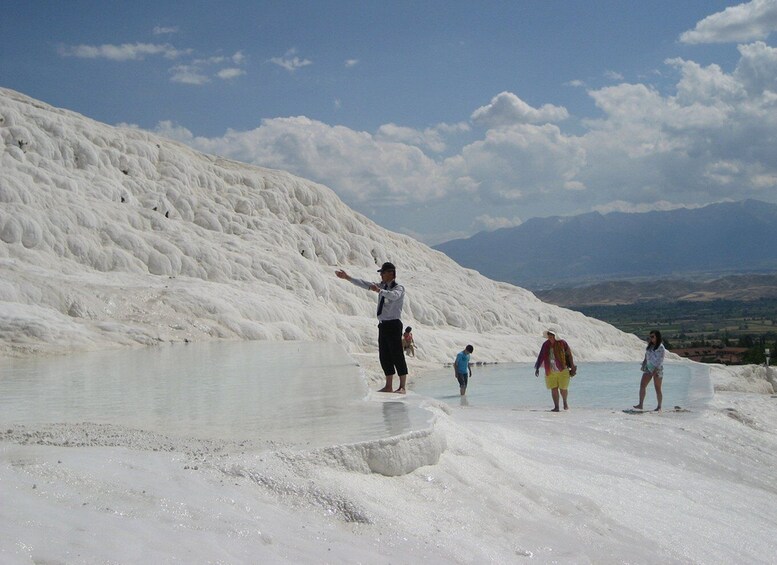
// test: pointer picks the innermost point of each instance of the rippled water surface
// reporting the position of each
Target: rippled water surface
(597, 385)
(298, 392)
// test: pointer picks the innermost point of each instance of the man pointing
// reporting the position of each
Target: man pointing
(391, 297)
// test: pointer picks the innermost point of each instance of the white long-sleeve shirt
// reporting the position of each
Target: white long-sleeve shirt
(394, 298)
(654, 358)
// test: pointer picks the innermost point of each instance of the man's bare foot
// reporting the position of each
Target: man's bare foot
(657, 409)
(385, 389)
(399, 391)
(638, 406)
(555, 410)
(566, 406)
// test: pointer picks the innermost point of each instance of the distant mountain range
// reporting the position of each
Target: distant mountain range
(719, 239)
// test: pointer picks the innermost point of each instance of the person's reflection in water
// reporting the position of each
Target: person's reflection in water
(396, 418)
(464, 400)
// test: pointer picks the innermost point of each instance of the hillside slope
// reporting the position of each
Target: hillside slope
(115, 237)
(738, 288)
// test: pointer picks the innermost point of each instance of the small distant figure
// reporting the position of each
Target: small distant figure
(408, 345)
(462, 368)
(155, 208)
(556, 356)
(167, 214)
(122, 199)
(391, 297)
(652, 369)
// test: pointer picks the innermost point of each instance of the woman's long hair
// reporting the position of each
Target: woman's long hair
(658, 340)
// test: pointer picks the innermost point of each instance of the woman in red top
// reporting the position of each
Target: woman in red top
(556, 356)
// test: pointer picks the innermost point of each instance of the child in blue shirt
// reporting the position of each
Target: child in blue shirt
(462, 369)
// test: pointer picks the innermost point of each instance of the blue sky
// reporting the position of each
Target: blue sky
(435, 119)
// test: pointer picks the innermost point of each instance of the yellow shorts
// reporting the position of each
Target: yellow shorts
(558, 379)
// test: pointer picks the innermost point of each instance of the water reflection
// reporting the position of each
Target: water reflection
(396, 417)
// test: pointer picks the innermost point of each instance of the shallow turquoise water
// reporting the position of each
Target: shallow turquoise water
(596, 385)
(296, 392)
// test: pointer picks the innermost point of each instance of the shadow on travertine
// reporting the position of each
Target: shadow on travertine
(219, 395)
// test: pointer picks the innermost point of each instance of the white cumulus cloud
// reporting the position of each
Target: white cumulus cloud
(429, 138)
(511, 163)
(188, 74)
(124, 52)
(631, 208)
(712, 139)
(757, 69)
(199, 72)
(164, 30)
(506, 109)
(230, 73)
(484, 222)
(291, 61)
(613, 75)
(741, 23)
(357, 165)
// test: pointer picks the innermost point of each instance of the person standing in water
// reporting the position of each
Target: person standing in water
(652, 369)
(556, 356)
(462, 369)
(391, 297)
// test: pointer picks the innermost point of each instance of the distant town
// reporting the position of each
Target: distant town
(713, 354)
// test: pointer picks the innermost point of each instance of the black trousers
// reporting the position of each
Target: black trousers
(392, 355)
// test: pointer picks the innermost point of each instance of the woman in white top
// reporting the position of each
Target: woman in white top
(652, 368)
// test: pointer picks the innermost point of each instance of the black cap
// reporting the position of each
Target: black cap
(387, 267)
